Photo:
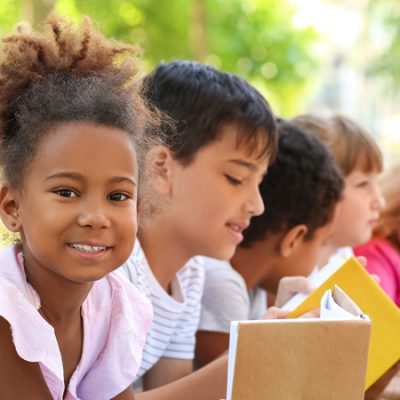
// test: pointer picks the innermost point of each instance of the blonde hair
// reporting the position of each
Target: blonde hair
(389, 221)
(351, 145)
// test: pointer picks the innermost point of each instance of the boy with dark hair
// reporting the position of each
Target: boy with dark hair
(300, 192)
(199, 193)
(201, 100)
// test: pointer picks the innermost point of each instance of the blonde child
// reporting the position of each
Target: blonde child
(360, 161)
(71, 122)
(383, 251)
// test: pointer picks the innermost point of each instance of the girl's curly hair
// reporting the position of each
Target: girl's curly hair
(65, 74)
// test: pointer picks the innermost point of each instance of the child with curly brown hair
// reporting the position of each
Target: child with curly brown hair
(71, 124)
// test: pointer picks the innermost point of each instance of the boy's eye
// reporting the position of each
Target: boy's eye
(117, 196)
(66, 193)
(233, 180)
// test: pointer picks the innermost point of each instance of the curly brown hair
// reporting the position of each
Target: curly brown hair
(64, 74)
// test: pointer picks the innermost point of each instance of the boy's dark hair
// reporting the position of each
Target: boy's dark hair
(200, 99)
(302, 186)
(63, 75)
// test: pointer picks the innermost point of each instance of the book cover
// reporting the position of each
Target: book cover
(384, 348)
(302, 359)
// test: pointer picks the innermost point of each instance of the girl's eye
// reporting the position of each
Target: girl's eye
(233, 181)
(362, 184)
(66, 193)
(117, 196)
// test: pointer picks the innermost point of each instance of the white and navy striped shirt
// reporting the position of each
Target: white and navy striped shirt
(176, 317)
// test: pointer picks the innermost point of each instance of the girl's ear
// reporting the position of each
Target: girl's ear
(160, 164)
(9, 208)
(292, 239)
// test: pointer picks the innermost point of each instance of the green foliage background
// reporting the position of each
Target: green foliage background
(253, 38)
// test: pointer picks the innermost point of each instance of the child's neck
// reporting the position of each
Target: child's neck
(165, 253)
(60, 301)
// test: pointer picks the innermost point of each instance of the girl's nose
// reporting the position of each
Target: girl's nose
(93, 217)
(379, 201)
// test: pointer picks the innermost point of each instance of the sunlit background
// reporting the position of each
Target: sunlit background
(304, 55)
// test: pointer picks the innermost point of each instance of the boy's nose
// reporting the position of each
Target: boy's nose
(256, 203)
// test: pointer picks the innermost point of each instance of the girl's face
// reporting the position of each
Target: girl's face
(215, 196)
(77, 208)
(358, 212)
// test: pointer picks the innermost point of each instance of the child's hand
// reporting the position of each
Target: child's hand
(278, 313)
(291, 285)
(275, 313)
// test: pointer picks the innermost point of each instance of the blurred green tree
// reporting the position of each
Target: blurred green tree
(256, 39)
(384, 17)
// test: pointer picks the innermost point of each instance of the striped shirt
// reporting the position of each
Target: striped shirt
(175, 317)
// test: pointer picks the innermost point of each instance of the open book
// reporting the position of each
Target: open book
(352, 277)
(304, 359)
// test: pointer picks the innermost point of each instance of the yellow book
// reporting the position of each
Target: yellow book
(384, 347)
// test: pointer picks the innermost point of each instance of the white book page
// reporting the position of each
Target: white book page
(231, 358)
(338, 305)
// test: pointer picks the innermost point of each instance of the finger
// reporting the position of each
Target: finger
(362, 260)
(312, 314)
(376, 278)
(291, 285)
(275, 313)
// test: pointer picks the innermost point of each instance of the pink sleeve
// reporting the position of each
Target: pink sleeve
(384, 261)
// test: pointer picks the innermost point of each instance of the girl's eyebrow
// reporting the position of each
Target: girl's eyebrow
(70, 175)
(78, 177)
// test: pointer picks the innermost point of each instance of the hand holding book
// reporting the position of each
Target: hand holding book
(304, 358)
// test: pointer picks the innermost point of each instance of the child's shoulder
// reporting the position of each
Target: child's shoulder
(33, 337)
(378, 249)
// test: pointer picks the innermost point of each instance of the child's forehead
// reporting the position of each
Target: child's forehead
(253, 144)
(364, 169)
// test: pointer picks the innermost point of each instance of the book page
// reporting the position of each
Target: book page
(338, 305)
(232, 357)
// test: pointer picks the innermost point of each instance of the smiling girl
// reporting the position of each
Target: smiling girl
(71, 122)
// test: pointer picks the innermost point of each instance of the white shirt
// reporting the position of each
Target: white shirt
(227, 299)
(175, 317)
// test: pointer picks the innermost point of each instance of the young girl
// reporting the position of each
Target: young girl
(360, 161)
(383, 251)
(71, 122)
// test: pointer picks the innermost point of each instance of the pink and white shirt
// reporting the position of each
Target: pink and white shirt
(116, 318)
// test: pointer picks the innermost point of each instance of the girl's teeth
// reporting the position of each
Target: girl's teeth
(88, 248)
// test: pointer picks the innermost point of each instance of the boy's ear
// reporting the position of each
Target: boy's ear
(9, 208)
(160, 164)
(292, 239)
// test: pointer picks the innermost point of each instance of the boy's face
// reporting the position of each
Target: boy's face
(215, 196)
(303, 258)
(359, 210)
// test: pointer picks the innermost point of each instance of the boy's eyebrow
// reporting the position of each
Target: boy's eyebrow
(79, 177)
(243, 163)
